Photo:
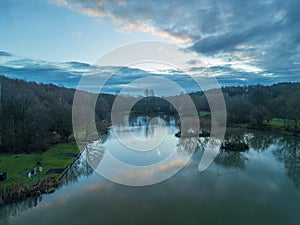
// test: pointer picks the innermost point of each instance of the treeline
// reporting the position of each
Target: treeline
(35, 116)
(153, 105)
(256, 105)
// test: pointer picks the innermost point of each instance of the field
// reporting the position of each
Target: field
(275, 123)
(204, 113)
(17, 165)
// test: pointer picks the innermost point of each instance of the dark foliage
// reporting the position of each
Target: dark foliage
(34, 116)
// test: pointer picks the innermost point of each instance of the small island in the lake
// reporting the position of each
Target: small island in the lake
(201, 134)
(236, 147)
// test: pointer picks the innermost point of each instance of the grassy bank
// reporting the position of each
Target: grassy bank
(275, 123)
(17, 165)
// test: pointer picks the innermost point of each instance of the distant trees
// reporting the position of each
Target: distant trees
(62, 121)
(23, 118)
(293, 109)
(238, 108)
(258, 103)
(259, 114)
(34, 116)
(31, 114)
(200, 101)
(153, 105)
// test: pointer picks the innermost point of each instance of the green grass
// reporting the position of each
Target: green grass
(204, 113)
(82, 134)
(16, 165)
(276, 123)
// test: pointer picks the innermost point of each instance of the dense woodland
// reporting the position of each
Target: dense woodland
(35, 116)
(255, 104)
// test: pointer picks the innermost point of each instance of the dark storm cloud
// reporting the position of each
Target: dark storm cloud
(267, 31)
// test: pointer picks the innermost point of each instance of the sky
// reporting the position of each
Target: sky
(241, 42)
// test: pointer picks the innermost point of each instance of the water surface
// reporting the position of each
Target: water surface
(260, 186)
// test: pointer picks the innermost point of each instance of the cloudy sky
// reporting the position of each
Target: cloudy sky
(242, 42)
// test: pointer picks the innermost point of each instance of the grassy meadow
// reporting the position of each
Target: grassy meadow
(17, 165)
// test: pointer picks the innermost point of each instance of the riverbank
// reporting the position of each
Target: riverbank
(56, 161)
(19, 185)
(17, 193)
(266, 128)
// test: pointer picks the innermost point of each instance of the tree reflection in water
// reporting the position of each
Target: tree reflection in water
(288, 152)
(94, 154)
(187, 145)
(84, 164)
(79, 168)
(148, 122)
(229, 159)
(15, 209)
(233, 159)
(259, 141)
(285, 149)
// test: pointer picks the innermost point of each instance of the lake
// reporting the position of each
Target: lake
(259, 186)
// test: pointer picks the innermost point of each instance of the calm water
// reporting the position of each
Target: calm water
(261, 186)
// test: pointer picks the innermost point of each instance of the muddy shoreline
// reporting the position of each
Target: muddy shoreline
(15, 193)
